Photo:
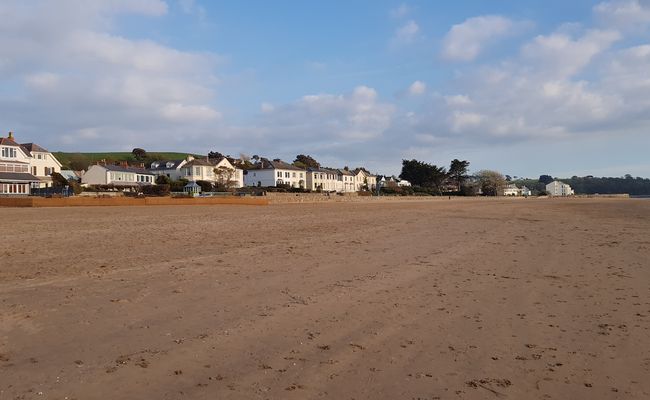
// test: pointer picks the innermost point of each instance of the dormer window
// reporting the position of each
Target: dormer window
(155, 165)
(169, 164)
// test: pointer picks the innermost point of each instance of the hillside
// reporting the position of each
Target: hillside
(79, 161)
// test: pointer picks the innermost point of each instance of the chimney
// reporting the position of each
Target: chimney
(124, 164)
(11, 135)
(142, 165)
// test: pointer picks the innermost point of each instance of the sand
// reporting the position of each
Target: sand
(443, 299)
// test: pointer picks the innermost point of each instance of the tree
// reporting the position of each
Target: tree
(225, 177)
(215, 154)
(206, 186)
(492, 182)
(305, 161)
(458, 171)
(162, 180)
(139, 154)
(422, 174)
(545, 179)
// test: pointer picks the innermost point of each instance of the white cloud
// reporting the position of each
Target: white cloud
(417, 88)
(562, 55)
(458, 100)
(407, 33)
(267, 107)
(460, 121)
(119, 88)
(465, 41)
(401, 11)
(624, 14)
(358, 116)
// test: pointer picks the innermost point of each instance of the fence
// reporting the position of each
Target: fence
(66, 191)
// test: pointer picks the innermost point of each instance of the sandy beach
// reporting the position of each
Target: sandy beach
(440, 299)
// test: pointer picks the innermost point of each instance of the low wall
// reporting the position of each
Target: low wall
(284, 198)
(128, 201)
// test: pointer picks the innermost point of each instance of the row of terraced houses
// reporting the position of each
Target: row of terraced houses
(25, 166)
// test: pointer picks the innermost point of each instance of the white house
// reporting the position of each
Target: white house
(324, 179)
(16, 170)
(347, 180)
(118, 175)
(42, 163)
(276, 172)
(364, 180)
(511, 190)
(557, 188)
(169, 168)
(403, 182)
(199, 169)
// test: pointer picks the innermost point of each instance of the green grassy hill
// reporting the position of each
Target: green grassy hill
(78, 161)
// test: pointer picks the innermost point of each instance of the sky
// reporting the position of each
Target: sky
(523, 87)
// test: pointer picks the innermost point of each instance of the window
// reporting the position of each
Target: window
(279, 174)
(9, 152)
(33, 170)
(287, 175)
(197, 171)
(294, 174)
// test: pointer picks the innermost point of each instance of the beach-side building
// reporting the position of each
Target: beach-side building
(16, 177)
(324, 179)
(169, 168)
(364, 180)
(42, 163)
(268, 173)
(557, 188)
(200, 169)
(511, 190)
(403, 183)
(117, 175)
(346, 181)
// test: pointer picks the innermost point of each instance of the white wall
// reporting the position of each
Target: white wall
(96, 175)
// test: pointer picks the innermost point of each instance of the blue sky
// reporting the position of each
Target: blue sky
(526, 88)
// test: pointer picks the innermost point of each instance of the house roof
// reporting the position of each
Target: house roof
(119, 168)
(365, 171)
(33, 147)
(276, 164)
(17, 177)
(5, 141)
(345, 172)
(323, 170)
(200, 162)
(162, 164)
(69, 174)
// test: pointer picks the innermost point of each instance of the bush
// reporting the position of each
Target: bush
(156, 190)
(178, 186)
(206, 186)
(162, 180)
